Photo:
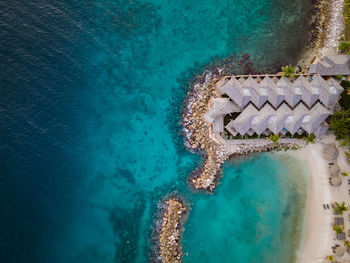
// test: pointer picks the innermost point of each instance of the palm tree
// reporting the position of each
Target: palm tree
(274, 138)
(347, 245)
(330, 258)
(338, 228)
(310, 139)
(344, 174)
(340, 208)
(288, 71)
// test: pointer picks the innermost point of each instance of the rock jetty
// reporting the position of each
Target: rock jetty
(170, 250)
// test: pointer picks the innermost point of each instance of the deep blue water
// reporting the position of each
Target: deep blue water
(90, 93)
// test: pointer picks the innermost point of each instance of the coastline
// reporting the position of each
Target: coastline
(197, 132)
(328, 26)
(315, 243)
(319, 237)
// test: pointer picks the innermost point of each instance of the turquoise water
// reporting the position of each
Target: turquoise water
(256, 215)
(91, 98)
(136, 152)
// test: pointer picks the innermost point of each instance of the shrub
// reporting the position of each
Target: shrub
(330, 258)
(310, 139)
(345, 95)
(340, 208)
(340, 124)
(274, 138)
(344, 46)
(338, 228)
(288, 71)
(338, 77)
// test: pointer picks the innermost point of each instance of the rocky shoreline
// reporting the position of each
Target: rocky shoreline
(206, 176)
(170, 250)
(198, 137)
(196, 129)
(328, 26)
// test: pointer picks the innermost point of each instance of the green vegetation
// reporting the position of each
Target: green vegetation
(330, 258)
(344, 46)
(274, 138)
(310, 139)
(338, 228)
(340, 124)
(338, 77)
(340, 208)
(345, 96)
(288, 71)
(347, 245)
(347, 19)
(345, 99)
(344, 174)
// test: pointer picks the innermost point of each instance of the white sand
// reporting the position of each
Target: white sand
(318, 234)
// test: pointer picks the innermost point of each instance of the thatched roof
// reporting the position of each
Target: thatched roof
(334, 170)
(219, 107)
(340, 251)
(242, 91)
(332, 65)
(280, 119)
(335, 181)
(330, 152)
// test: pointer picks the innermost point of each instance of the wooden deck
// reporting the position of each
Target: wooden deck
(279, 74)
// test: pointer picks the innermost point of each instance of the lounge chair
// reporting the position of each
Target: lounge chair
(341, 236)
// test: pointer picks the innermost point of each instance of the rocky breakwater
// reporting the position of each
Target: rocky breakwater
(327, 26)
(198, 138)
(197, 133)
(170, 250)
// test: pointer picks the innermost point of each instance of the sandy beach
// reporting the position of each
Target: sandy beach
(318, 234)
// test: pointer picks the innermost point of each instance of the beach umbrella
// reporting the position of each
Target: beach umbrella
(336, 181)
(334, 170)
(340, 251)
(330, 152)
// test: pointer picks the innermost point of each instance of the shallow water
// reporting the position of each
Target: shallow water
(91, 92)
(256, 214)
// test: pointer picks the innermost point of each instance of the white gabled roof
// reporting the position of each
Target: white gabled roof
(244, 91)
(220, 107)
(277, 120)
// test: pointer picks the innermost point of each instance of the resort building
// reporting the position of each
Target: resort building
(261, 106)
(332, 66)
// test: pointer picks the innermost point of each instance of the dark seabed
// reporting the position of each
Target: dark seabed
(89, 111)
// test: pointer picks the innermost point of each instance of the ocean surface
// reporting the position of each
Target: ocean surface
(90, 100)
(257, 214)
